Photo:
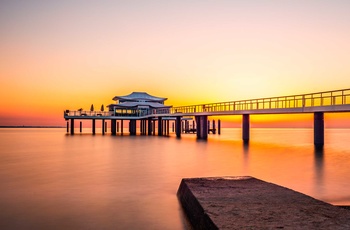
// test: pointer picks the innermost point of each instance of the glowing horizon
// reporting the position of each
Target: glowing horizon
(69, 55)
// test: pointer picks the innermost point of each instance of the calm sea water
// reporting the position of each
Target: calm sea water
(50, 180)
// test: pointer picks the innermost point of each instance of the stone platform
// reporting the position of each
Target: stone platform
(250, 203)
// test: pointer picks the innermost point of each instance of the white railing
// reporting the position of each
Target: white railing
(328, 98)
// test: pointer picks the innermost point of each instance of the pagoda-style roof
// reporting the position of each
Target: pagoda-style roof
(131, 104)
(139, 96)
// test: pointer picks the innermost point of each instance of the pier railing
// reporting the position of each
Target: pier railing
(88, 113)
(327, 98)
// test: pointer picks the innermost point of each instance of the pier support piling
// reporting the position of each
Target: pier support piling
(93, 126)
(208, 126)
(167, 127)
(121, 127)
(245, 128)
(103, 127)
(81, 127)
(178, 127)
(132, 127)
(67, 126)
(214, 128)
(202, 127)
(141, 127)
(219, 126)
(72, 126)
(319, 129)
(154, 127)
(113, 127)
(160, 126)
(149, 126)
(164, 127)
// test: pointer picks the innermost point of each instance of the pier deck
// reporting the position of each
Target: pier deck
(250, 203)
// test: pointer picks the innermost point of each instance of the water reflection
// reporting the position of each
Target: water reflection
(319, 168)
(246, 156)
(49, 179)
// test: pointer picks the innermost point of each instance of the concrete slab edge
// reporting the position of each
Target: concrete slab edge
(192, 208)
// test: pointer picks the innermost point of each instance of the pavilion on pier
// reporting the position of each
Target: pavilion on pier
(138, 104)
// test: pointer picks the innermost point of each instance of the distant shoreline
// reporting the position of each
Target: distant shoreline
(29, 126)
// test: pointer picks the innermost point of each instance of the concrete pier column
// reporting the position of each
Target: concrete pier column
(103, 127)
(154, 127)
(149, 126)
(72, 126)
(117, 127)
(132, 127)
(93, 126)
(214, 128)
(245, 128)
(319, 129)
(144, 126)
(167, 127)
(113, 127)
(208, 126)
(106, 126)
(67, 126)
(173, 127)
(196, 118)
(164, 127)
(219, 126)
(160, 126)
(81, 127)
(178, 126)
(202, 127)
(141, 127)
(121, 127)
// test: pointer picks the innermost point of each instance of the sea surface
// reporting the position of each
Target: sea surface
(52, 180)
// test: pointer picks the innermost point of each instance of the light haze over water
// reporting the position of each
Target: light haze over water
(51, 180)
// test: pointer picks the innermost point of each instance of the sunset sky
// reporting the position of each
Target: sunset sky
(57, 55)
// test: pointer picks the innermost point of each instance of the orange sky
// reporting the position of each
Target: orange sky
(70, 54)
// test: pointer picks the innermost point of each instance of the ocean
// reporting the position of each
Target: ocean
(53, 180)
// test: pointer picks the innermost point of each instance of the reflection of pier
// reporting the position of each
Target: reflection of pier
(149, 109)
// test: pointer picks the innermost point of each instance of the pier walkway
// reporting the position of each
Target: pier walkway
(250, 203)
(316, 103)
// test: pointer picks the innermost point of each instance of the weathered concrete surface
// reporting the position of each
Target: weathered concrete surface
(249, 203)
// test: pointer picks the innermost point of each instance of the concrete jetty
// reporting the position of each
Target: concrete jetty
(250, 203)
